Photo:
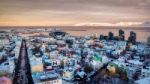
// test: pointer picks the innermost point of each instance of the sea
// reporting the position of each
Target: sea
(142, 33)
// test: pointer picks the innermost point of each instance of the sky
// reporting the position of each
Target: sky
(73, 12)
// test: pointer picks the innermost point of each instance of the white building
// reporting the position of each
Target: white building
(130, 71)
(46, 78)
(3, 41)
(145, 72)
(143, 81)
(7, 66)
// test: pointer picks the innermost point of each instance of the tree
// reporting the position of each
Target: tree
(88, 68)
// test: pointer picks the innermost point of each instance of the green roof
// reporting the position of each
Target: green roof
(97, 57)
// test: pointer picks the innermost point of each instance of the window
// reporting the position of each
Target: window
(143, 75)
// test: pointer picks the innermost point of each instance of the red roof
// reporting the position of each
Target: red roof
(5, 80)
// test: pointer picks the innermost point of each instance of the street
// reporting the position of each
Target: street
(22, 73)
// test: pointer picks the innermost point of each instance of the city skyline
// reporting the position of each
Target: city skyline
(73, 12)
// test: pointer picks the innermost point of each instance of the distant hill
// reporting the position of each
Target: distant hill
(145, 24)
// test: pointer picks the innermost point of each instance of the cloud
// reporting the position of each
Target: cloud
(110, 24)
(78, 11)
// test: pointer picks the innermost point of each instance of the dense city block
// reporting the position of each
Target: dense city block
(54, 56)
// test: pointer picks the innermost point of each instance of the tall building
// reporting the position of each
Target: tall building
(101, 37)
(121, 35)
(132, 37)
(110, 36)
(148, 40)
